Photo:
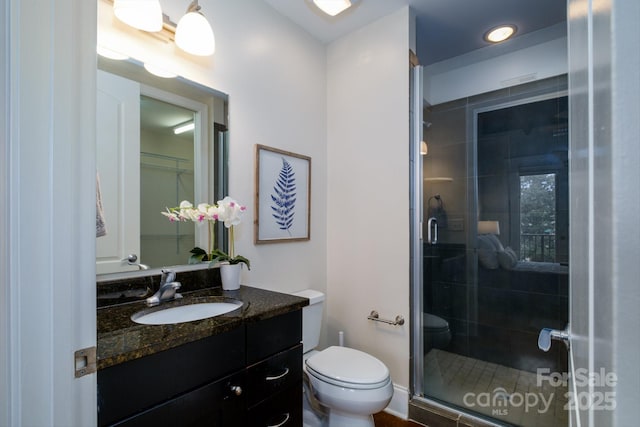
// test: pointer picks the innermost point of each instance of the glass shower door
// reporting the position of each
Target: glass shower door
(499, 271)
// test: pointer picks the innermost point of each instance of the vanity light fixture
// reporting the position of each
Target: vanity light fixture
(500, 34)
(144, 15)
(194, 34)
(332, 7)
(184, 127)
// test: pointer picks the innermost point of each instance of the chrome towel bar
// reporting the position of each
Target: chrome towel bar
(376, 317)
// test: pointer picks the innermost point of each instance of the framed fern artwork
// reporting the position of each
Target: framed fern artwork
(283, 196)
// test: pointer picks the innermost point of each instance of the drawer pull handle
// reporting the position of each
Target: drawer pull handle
(286, 419)
(277, 377)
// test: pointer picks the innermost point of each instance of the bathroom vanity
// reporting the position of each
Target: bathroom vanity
(243, 368)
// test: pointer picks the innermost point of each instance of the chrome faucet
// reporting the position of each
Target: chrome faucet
(168, 288)
(167, 276)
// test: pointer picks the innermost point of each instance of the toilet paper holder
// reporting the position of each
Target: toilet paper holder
(376, 318)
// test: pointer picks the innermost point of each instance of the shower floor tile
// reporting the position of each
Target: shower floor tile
(505, 394)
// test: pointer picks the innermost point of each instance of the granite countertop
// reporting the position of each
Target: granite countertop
(120, 339)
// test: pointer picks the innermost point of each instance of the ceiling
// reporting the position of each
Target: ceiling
(445, 28)
(160, 117)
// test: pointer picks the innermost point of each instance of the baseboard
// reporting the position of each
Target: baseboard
(399, 405)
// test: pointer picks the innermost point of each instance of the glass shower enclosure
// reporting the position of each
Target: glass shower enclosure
(495, 186)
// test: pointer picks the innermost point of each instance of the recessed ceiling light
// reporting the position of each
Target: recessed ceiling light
(332, 7)
(500, 34)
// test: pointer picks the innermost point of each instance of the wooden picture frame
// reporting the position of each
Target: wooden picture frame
(283, 196)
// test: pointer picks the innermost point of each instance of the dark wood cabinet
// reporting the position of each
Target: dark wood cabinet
(283, 408)
(216, 405)
(274, 371)
(274, 390)
(249, 376)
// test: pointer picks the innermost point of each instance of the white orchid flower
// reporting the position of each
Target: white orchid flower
(201, 214)
(213, 212)
(173, 217)
(230, 211)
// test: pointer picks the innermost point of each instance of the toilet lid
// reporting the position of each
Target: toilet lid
(435, 323)
(349, 366)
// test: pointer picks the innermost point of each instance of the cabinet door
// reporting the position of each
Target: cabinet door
(219, 404)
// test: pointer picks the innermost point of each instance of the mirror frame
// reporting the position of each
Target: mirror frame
(218, 184)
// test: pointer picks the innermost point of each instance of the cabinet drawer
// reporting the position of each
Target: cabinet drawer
(276, 373)
(271, 336)
(283, 409)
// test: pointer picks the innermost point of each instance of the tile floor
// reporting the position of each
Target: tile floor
(503, 393)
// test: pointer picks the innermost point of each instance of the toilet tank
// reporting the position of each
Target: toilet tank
(311, 318)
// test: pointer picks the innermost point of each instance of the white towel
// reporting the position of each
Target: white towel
(101, 228)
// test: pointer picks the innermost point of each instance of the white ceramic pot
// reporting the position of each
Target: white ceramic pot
(230, 274)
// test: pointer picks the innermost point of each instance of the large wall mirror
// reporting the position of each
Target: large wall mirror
(146, 163)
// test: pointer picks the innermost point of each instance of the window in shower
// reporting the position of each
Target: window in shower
(538, 217)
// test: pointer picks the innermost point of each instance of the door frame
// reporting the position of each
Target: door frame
(48, 253)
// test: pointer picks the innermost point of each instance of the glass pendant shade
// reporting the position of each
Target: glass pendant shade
(194, 34)
(332, 7)
(144, 15)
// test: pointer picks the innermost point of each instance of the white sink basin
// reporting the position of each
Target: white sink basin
(185, 313)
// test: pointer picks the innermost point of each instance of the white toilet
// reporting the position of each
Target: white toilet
(344, 385)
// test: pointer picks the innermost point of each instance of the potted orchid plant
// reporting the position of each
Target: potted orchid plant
(229, 212)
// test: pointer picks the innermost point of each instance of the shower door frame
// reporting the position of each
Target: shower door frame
(416, 367)
(472, 112)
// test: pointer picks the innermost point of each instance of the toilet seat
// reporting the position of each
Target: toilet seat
(348, 368)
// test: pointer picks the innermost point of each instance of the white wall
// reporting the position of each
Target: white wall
(274, 74)
(625, 110)
(368, 190)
